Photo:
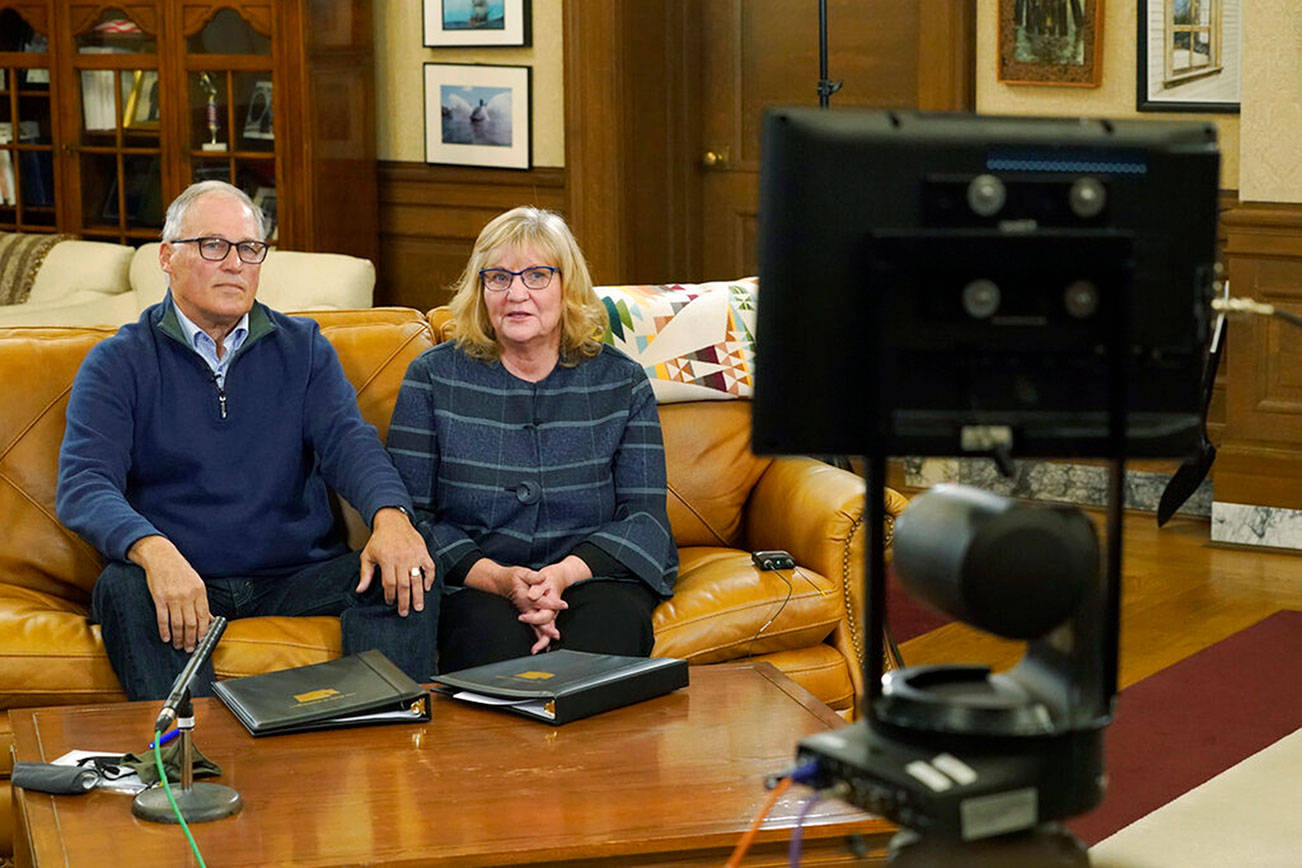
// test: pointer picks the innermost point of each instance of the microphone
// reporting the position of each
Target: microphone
(181, 685)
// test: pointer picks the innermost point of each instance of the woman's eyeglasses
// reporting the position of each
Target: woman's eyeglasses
(533, 277)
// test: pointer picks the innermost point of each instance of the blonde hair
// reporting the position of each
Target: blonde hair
(583, 316)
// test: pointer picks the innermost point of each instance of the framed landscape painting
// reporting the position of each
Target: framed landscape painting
(1051, 42)
(477, 115)
(451, 23)
(1190, 55)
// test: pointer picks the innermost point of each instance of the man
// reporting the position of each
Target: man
(200, 443)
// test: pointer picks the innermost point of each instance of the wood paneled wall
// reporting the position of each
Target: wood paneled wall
(1259, 460)
(632, 126)
(431, 215)
(632, 186)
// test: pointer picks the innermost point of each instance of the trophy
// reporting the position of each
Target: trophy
(205, 81)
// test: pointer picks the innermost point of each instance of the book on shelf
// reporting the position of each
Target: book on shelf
(37, 167)
(357, 690)
(560, 686)
(8, 195)
(38, 177)
(98, 105)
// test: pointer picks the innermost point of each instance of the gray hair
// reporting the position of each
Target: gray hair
(181, 204)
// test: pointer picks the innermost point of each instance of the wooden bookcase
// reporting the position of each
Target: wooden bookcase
(108, 111)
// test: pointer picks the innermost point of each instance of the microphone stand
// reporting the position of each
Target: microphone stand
(826, 87)
(197, 802)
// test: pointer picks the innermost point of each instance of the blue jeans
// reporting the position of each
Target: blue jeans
(146, 666)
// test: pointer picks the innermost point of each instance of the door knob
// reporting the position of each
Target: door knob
(716, 159)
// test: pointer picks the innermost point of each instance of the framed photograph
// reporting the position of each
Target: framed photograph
(8, 192)
(140, 110)
(1051, 42)
(451, 23)
(477, 115)
(265, 201)
(1190, 55)
(258, 123)
(144, 198)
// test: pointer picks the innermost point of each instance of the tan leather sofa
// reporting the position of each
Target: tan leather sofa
(723, 503)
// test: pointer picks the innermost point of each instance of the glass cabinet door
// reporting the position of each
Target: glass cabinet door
(27, 177)
(118, 145)
(230, 94)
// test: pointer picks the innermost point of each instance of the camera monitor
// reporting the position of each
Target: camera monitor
(941, 284)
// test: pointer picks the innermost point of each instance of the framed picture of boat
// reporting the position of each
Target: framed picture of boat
(478, 115)
(454, 23)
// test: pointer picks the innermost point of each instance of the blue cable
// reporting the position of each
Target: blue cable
(801, 774)
(797, 834)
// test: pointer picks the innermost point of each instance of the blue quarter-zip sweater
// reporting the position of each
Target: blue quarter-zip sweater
(236, 478)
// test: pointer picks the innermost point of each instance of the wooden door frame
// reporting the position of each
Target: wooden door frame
(611, 153)
(593, 81)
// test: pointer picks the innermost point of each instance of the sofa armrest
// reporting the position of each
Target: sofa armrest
(809, 508)
(816, 512)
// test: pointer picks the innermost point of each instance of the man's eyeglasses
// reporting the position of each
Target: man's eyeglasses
(533, 277)
(214, 249)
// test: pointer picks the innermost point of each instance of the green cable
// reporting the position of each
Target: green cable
(167, 788)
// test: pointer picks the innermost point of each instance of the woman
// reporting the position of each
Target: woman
(533, 455)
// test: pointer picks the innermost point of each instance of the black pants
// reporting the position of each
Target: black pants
(606, 617)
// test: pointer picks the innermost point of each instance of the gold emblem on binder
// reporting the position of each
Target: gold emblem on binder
(314, 695)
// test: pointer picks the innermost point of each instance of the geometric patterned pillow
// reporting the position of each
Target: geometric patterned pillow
(696, 341)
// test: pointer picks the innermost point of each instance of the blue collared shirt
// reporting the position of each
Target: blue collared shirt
(206, 347)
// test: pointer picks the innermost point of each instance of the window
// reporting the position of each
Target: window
(1193, 39)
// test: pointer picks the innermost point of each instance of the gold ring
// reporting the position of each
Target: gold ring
(414, 572)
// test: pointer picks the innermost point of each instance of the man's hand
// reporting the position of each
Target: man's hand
(180, 598)
(396, 549)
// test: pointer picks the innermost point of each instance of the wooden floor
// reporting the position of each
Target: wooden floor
(1180, 593)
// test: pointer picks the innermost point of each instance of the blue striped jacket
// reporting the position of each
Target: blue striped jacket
(526, 471)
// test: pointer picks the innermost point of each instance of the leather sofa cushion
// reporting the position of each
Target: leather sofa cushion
(724, 608)
(50, 653)
(41, 554)
(375, 347)
(710, 470)
(820, 669)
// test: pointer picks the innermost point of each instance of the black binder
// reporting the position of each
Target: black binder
(561, 686)
(358, 690)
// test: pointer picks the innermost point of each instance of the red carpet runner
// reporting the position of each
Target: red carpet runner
(1191, 721)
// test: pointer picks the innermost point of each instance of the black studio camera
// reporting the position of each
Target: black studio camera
(983, 286)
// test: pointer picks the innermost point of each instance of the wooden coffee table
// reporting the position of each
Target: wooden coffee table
(676, 779)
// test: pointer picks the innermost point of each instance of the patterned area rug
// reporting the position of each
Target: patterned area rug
(906, 616)
(21, 256)
(1188, 723)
